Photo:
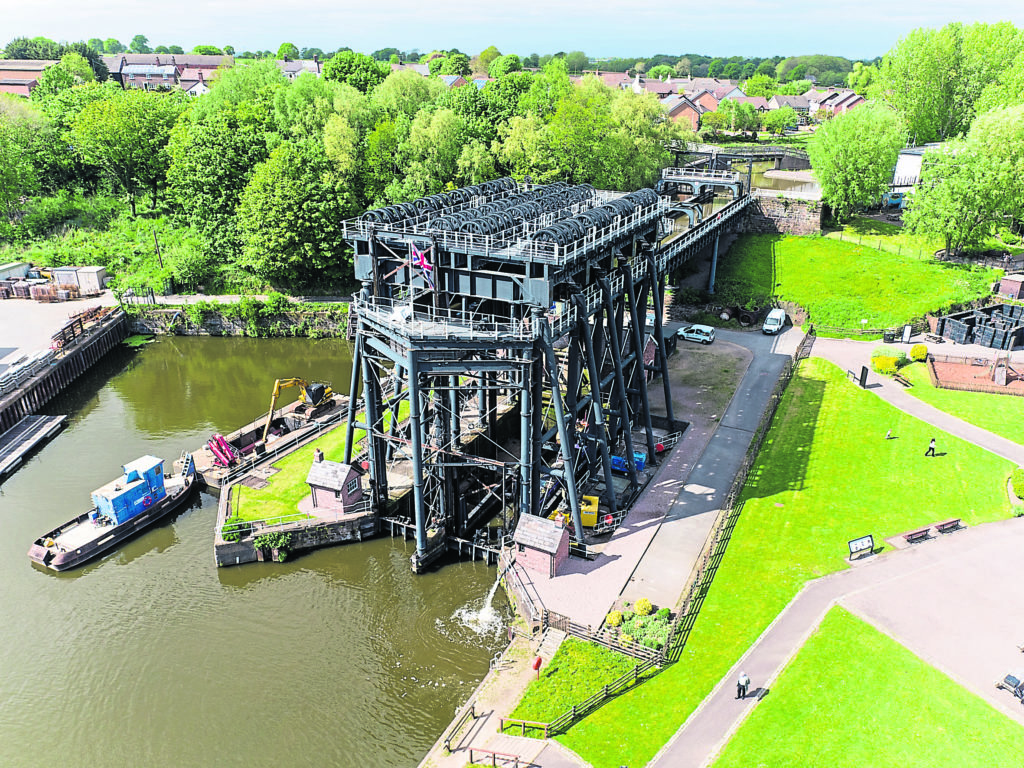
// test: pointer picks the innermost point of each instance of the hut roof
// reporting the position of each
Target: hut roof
(328, 474)
(538, 533)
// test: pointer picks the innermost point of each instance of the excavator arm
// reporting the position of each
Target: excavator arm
(278, 386)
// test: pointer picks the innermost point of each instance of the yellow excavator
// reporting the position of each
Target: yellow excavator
(315, 394)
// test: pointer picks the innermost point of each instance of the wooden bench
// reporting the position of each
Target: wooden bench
(919, 535)
(948, 525)
(899, 377)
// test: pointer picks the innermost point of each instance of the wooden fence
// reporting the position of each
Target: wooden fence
(993, 389)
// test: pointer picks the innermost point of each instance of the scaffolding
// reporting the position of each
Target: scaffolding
(500, 335)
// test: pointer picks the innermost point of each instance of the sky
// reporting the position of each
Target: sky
(861, 29)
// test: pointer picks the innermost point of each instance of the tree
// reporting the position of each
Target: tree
(385, 54)
(683, 67)
(714, 121)
(127, 137)
(1006, 90)
(70, 71)
(113, 46)
(175, 49)
(971, 187)
(533, 61)
(739, 116)
(934, 77)
(17, 173)
(503, 65)
(96, 44)
(715, 67)
(229, 50)
(140, 44)
(547, 89)
(161, 49)
(453, 64)
(661, 72)
(853, 156)
(211, 161)
(356, 69)
(207, 50)
(290, 216)
(255, 84)
(760, 85)
(732, 71)
(778, 120)
(95, 60)
(429, 155)
(404, 92)
(487, 55)
(288, 51)
(576, 61)
(861, 77)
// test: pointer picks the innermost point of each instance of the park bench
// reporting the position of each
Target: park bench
(914, 536)
(899, 377)
(933, 338)
(948, 525)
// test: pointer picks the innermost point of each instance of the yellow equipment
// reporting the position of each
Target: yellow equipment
(588, 511)
(317, 393)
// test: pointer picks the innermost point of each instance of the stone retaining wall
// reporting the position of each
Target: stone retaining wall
(783, 215)
(175, 321)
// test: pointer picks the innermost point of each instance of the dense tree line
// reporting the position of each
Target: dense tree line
(251, 182)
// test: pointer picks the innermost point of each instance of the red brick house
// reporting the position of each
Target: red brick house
(706, 99)
(334, 486)
(542, 545)
(680, 107)
(20, 76)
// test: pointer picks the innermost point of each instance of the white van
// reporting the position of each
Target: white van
(775, 321)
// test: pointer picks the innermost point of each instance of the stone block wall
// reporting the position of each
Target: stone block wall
(783, 215)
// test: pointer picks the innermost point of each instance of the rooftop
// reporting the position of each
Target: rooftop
(538, 533)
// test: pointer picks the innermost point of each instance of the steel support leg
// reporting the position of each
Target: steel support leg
(415, 419)
(645, 403)
(714, 265)
(620, 383)
(658, 294)
(568, 469)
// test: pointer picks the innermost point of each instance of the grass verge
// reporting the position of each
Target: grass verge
(878, 720)
(842, 284)
(825, 475)
(999, 414)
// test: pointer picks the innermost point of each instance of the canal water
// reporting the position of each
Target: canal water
(155, 657)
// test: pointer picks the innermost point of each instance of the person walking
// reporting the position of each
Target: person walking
(931, 448)
(742, 684)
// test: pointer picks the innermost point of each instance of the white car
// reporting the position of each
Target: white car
(775, 322)
(705, 334)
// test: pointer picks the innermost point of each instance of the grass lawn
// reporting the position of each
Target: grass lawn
(288, 487)
(561, 683)
(1000, 414)
(900, 711)
(885, 236)
(825, 475)
(841, 284)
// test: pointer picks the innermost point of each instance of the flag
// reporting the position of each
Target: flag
(419, 259)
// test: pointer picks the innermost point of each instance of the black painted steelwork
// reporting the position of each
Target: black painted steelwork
(496, 301)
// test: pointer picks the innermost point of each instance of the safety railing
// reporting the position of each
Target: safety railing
(693, 174)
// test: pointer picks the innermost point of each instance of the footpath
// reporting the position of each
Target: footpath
(660, 541)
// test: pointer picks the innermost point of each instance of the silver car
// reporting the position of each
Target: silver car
(705, 334)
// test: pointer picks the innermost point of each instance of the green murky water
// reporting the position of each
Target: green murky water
(154, 657)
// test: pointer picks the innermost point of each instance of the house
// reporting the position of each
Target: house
(711, 84)
(908, 166)
(680, 107)
(193, 81)
(20, 76)
(705, 98)
(832, 100)
(480, 82)
(759, 103)
(542, 545)
(292, 68)
(151, 77)
(727, 92)
(847, 102)
(421, 69)
(335, 486)
(798, 103)
(209, 64)
(453, 81)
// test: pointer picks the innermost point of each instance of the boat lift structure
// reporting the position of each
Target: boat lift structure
(508, 301)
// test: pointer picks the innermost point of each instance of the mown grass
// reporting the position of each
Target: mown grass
(577, 670)
(885, 236)
(841, 284)
(826, 474)
(999, 414)
(853, 697)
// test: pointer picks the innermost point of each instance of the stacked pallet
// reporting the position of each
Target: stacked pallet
(997, 327)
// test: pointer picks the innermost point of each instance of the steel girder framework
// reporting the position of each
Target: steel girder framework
(497, 302)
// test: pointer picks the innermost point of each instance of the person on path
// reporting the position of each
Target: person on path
(931, 448)
(742, 684)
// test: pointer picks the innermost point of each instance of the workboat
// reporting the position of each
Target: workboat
(142, 496)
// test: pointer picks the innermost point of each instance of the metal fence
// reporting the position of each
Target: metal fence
(993, 389)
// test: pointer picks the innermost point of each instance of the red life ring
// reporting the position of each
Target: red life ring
(147, 501)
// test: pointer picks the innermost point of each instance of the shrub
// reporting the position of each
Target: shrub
(626, 640)
(1017, 481)
(643, 607)
(614, 619)
(235, 530)
(885, 365)
(919, 353)
(663, 614)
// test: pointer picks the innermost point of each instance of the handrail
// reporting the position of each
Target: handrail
(468, 712)
(495, 756)
(523, 724)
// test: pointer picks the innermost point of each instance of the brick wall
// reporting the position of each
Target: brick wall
(774, 215)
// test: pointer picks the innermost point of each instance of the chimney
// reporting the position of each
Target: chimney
(318, 456)
(158, 61)
(201, 76)
(173, 61)
(316, 57)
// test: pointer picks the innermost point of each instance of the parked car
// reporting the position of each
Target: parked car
(775, 322)
(705, 334)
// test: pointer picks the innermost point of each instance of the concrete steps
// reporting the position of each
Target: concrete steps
(549, 644)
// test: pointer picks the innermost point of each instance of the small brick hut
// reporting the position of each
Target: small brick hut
(334, 485)
(1012, 287)
(542, 545)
